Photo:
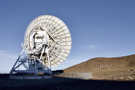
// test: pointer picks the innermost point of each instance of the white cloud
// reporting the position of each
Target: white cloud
(92, 46)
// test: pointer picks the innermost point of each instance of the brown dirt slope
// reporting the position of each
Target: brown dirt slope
(119, 68)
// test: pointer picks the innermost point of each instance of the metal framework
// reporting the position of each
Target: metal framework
(25, 65)
(47, 43)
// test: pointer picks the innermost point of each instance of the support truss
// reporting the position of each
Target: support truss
(29, 66)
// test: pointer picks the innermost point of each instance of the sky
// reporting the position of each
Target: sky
(99, 28)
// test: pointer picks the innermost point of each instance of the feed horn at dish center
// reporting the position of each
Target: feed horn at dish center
(47, 43)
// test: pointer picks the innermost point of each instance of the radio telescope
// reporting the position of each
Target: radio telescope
(47, 43)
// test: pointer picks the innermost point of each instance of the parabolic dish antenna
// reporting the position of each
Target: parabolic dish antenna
(47, 43)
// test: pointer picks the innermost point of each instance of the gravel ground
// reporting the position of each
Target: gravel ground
(65, 84)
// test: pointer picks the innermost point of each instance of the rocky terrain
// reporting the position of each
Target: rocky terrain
(119, 68)
(101, 74)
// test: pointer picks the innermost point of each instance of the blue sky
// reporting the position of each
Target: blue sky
(99, 28)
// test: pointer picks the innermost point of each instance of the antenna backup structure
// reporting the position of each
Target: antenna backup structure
(47, 43)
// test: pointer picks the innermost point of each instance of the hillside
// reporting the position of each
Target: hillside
(119, 68)
(105, 72)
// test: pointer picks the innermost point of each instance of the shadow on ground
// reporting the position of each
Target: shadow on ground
(65, 84)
